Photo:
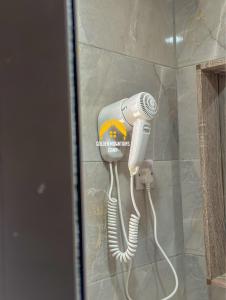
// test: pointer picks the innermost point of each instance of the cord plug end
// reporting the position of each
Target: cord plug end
(144, 177)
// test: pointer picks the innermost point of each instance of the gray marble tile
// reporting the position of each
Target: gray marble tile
(155, 281)
(192, 207)
(166, 123)
(136, 28)
(109, 288)
(195, 279)
(107, 77)
(217, 293)
(187, 113)
(196, 287)
(200, 30)
(166, 196)
(167, 200)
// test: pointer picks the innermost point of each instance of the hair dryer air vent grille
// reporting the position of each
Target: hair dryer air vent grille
(148, 105)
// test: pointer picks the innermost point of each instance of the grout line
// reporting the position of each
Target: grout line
(158, 261)
(175, 67)
(174, 35)
(141, 266)
(127, 55)
(158, 161)
(192, 159)
(194, 255)
(134, 268)
(193, 64)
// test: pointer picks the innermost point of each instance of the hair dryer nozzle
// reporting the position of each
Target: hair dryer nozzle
(142, 106)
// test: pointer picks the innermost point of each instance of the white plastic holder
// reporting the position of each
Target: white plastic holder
(145, 174)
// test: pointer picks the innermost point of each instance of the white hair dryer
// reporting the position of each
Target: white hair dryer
(135, 113)
(128, 115)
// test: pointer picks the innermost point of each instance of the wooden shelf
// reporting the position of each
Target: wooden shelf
(219, 281)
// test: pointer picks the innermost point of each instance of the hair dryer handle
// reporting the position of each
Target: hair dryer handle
(139, 142)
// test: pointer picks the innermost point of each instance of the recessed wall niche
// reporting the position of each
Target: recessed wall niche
(211, 84)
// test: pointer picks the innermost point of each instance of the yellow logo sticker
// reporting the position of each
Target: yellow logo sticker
(112, 125)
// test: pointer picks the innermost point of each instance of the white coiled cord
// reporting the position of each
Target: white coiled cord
(113, 236)
(132, 241)
(123, 231)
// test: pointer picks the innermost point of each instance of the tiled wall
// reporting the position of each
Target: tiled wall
(126, 47)
(200, 32)
(135, 28)
(122, 51)
(200, 25)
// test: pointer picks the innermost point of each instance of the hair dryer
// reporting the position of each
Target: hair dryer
(135, 113)
(128, 115)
